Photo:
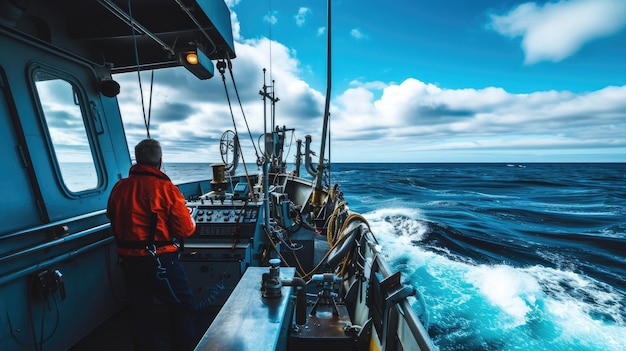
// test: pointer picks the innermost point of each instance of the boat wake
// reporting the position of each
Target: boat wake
(476, 303)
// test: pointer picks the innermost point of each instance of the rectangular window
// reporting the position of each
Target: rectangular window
(61, 104)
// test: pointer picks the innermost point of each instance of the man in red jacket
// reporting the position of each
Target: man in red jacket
(147, 212)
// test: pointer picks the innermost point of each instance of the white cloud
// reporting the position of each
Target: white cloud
(236, 25)
(321, 31)
(556, 30)
(232, 3)
(270, 17)
(375, 85)
(303, 13)
(418, 117)
(356, 33)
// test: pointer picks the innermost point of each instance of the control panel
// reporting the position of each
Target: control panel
(226, 215)
(223, 221)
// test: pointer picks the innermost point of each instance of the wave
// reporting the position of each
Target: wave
(498, 306)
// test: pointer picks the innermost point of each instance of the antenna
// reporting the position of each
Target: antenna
(269, 13)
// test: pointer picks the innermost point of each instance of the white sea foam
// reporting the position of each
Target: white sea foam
(440, 203)
(405, 223)
(511, 290)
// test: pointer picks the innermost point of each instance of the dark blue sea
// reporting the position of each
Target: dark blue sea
(505, 256)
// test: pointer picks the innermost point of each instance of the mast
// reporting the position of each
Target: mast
(266, 159)
(317, 192)
(269, 139)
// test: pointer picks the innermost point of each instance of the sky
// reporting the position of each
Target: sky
(412, 81)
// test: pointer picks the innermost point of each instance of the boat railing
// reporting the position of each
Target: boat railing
(387, 309)
(401, 318)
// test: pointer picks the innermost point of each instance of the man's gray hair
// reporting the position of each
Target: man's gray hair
(148, 152)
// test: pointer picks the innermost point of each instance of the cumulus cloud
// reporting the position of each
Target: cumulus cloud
(303, 13)
(555, 30)
(424, 117)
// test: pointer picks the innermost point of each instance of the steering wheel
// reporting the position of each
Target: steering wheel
(229, 149)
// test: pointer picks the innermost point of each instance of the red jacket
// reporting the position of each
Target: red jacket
(146, 193)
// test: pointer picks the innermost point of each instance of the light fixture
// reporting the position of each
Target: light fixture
(192, 58)
(197, 63)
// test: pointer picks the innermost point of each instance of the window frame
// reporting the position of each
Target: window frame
(85, 107)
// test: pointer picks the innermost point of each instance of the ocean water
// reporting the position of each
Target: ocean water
(505, 256)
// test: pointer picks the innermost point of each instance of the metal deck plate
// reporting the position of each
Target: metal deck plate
(248, 321)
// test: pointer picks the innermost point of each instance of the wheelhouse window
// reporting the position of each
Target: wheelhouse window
(61, 105)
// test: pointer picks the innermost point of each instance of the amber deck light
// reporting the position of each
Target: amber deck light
(196, 62)
(192, 58)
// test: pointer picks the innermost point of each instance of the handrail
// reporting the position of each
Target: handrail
(50, 244)
(32, 269)
(53, 224)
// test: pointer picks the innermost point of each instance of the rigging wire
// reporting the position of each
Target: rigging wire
(221, 66)
(150, 101)
(232, 77)
(146, 119)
